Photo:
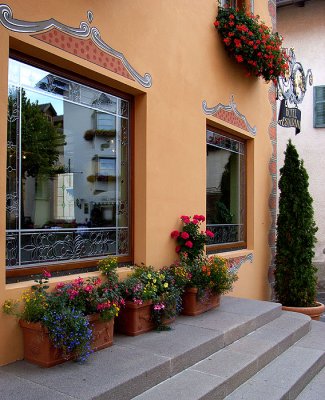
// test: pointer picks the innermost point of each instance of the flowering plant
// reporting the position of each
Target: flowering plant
(191, 239)
(252, 43)
(144, 283)
(64, 310)
(207, 274)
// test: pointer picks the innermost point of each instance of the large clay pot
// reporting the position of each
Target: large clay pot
(192, 305)
(135, 319)
(39, 350)
(313, 312)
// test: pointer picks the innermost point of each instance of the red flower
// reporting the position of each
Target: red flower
(239, 58)
(189, 244)
(178, 249)
(216, 24)
(185, 219)
(209, 233)
(174, 234)
(185, 235)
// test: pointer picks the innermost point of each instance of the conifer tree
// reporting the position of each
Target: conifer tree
(295, 275)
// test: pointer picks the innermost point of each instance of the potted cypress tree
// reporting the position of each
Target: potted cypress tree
(295, 276)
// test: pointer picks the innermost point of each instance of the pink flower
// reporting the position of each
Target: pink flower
(89, 288)
(199, 217)
(46, 274)
(159, 306)
(78, 282)
(195, 221)
(189, 244)
(72, 293)
(97, 281)
(174, 234)
(185, 235)
(59, 286)
(209, 233)
(178, 249)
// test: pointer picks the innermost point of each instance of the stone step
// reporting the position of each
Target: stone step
(135, 364)
(315, 390)
(290, 373)
(222, 372)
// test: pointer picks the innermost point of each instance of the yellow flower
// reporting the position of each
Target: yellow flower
(165, 285)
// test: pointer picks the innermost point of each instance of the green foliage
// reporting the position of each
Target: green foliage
(40, 140)
(210, 274)
(295, 275)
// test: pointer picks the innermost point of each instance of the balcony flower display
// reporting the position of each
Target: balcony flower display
(251, 43)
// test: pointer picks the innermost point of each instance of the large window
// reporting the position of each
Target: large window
(67, 170)
(225, 191)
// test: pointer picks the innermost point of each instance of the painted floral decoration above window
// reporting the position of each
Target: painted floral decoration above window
(251, 43)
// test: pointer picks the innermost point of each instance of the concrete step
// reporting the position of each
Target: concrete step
(135, 364)
(289, 374)
(222, 372)
(315, 390)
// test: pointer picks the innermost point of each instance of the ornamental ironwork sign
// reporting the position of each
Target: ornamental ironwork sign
(291, 89)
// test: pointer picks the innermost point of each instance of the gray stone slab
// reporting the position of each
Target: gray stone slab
(315, 390)
(183, 347)
(14, 388)
(249, 391)
(188, 385)
(316, 337)
(116, 372)
(235, 368)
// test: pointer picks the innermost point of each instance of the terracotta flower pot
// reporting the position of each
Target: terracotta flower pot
(135, 319)
(39, 350)
(102, 332)
(313, 312)
(194, 306)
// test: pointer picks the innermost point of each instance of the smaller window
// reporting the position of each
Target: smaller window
(225, 191)
(319, 106)
(238, 3)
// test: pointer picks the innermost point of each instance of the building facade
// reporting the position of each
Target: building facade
(308, 48)
(119, 117)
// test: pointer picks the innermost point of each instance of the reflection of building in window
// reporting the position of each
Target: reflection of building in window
(64, 205)
(249, 4)
(225, 197)
(67, 170)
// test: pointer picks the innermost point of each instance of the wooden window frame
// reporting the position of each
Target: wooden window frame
(216, 248)
(90, 262)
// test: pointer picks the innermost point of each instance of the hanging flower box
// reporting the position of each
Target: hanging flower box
(251, 43)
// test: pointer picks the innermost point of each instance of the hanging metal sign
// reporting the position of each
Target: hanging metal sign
(291, 90)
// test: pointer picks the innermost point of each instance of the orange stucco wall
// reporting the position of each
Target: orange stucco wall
(176, 42)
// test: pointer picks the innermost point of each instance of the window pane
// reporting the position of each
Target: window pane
(224, 194)
(64, 157)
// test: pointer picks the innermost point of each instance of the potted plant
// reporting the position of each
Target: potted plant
(71, 321)
(204, 280)
(251, 43)
(191, 239)
(295, 276)
(151, 300)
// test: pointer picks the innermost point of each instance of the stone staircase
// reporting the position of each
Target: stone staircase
(245, 349)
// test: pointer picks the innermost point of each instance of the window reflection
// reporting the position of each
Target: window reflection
(67, 167)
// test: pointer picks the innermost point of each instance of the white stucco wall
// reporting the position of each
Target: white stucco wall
(303, 28)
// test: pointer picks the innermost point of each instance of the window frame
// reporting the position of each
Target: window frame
(242, 244)
(91, 262)
(318, 125)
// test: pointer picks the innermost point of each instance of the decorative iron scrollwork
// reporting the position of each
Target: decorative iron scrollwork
(293, 86)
